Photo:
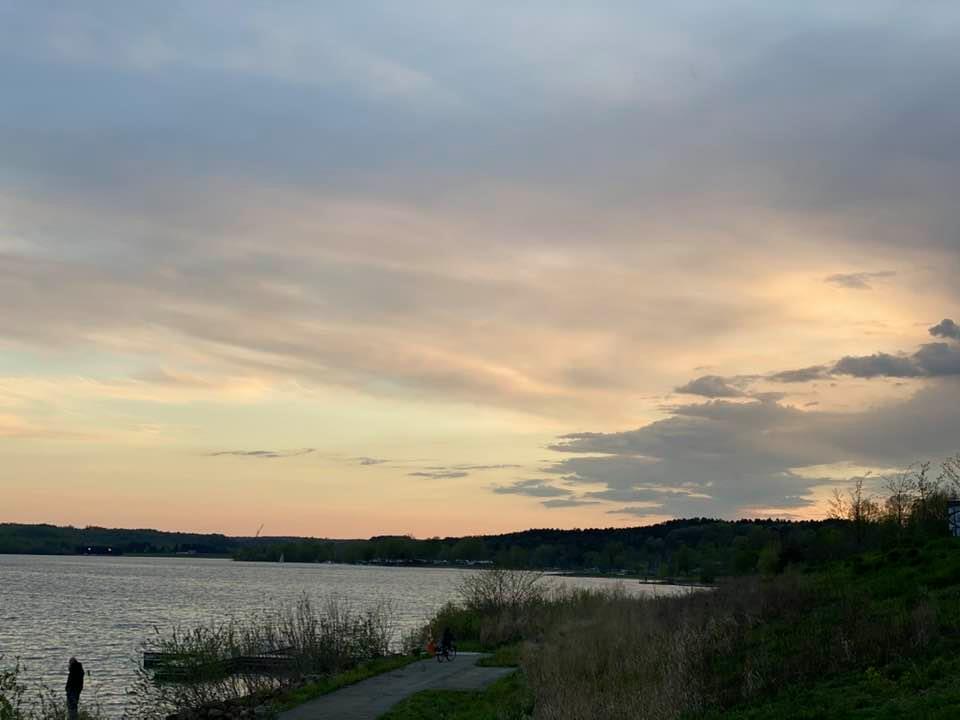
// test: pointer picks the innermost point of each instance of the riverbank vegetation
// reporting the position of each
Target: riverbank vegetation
(877, 635)
(507, 699)
(18, 702)
(872, 634)
(263, 661)
(858, 616)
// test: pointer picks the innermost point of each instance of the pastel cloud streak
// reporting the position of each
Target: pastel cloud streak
(429, 231)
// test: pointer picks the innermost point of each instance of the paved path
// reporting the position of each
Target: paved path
(369, 699)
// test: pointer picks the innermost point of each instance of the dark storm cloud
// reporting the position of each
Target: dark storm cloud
(710, 386)
(858, 281)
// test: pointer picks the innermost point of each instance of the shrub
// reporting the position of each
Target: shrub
(45, 703)
(318, 642)
(498, 589)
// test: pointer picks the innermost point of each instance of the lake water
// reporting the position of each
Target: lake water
(100, 609)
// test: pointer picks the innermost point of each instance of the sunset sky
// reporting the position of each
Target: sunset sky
(438, 267)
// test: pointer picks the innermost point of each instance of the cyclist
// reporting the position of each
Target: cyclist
(446, 641)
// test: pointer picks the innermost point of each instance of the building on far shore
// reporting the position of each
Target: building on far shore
(953, 516)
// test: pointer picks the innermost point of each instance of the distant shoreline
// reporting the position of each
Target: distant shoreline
(597, 575)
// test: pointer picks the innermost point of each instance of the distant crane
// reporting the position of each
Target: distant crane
(259, 530)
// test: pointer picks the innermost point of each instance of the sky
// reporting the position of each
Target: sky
(343, 269)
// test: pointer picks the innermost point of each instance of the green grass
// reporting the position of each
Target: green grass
(928, 690)
(886, 591)
(508, 698)
(504, 656)
(311, 691)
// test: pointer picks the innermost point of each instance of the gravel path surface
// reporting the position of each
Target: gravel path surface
(369, 699)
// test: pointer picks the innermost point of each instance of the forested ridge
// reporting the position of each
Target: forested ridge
(699, 547)
(913, 507)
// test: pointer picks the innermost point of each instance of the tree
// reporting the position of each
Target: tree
(901, 491)
(857, 506)
(769, 561)
(498, 589)
(928, 495)
(950, 475)
(837, 505)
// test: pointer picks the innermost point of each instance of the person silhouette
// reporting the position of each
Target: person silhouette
(74, 688)
(446, 641)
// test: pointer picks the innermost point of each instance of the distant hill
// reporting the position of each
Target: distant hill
(53, 540)
(696, 549)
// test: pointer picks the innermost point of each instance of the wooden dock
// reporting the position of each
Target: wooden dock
(179, 667)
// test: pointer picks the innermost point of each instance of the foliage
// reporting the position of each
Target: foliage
(496, 606)
(913, 509)
(12, 692)
(53, 540)
(500, 589)
(884, 618)
(320, 642)
(924, 688)
(45, 703)
(507, 699)
(503, 656)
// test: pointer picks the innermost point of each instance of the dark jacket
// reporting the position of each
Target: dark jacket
(75, 678)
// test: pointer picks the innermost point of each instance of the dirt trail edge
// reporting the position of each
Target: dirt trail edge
(369, 699)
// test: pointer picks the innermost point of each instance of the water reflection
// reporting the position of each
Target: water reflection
(100, 609)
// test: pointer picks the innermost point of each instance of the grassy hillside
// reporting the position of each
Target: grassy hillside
(875, 636)
(892, 625)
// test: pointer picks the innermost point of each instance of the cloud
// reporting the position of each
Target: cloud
(439, 474)
(370, 461)
(946, 328)
(568, 502)
(740, 458)
(639, 511)
(553, 244)
(263, 454)
(533, 488)
(457, 471)
(878, 365)
(858, 281)
(931, 360)
(801, 375)
(711, 386)
(499, 466)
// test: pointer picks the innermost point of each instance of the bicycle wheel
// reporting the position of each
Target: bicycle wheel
(452, 654)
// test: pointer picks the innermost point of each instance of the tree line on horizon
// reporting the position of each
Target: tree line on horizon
(912, 508)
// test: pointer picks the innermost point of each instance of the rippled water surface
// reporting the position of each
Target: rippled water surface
(100, 609)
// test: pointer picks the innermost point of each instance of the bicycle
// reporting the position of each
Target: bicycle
(446, 653)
